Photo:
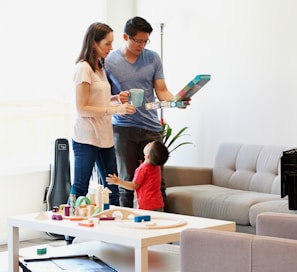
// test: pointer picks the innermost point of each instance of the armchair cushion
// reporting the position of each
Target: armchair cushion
(277, 225)
(208, 250)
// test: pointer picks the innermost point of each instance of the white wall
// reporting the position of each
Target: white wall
(22, 192)
(23, 181)
(40, 41)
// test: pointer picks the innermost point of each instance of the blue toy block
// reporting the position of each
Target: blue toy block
(105, 206)
(141, 218)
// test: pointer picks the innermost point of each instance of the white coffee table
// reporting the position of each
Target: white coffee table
(116, 232)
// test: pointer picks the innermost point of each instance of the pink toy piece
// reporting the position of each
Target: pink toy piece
(107, 218)
(57, 217)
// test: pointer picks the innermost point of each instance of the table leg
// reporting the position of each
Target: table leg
(13, 249)
(141, 259)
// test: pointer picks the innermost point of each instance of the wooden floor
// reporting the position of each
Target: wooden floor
(25, 244)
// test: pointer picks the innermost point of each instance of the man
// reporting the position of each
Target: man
(134, 66)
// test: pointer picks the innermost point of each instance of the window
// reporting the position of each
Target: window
(40, 41)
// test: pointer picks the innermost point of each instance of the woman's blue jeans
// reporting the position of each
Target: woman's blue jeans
(85, 158)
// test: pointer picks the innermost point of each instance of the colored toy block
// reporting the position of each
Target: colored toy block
(75, 218)
(86, 224)
(41, 251)
(141, 218)
(105, 206)
(55, 209)
(107, 218)
(57, 217)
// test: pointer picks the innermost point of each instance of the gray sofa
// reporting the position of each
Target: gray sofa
(244, 181)
(273, 249)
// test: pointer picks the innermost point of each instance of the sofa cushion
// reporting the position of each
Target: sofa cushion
(213, 201)
(248, 167)
(279, 206)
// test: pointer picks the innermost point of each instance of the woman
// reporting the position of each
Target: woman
(93, 136)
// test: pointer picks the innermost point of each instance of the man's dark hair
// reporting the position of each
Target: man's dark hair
(137, 24)
(159, 153)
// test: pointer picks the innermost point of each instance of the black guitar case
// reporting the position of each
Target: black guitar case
(60, 180)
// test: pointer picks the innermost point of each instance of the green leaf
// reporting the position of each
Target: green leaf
(179, 134)
(167, 133)
(184, 143)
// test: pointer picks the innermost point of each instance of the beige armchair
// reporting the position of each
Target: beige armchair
(273, 249)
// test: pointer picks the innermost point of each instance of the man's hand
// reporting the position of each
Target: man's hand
(187, 103)
(124, 97)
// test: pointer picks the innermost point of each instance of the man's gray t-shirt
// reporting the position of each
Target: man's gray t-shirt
(141, 74)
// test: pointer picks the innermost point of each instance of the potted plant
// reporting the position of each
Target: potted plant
(169, 139)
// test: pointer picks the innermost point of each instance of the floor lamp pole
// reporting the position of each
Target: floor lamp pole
(162, 25)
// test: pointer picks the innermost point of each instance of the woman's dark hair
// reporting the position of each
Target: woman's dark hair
(159, 153)
(137, 24)
(95, 33)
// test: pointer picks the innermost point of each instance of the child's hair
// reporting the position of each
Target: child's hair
(159, 153)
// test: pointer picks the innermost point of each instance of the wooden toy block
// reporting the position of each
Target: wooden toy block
(41, 251)
(107, 218)
(141, 218)
(75, 218)
(86, 224)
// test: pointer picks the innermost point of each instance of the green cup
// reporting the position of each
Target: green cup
(136, 97)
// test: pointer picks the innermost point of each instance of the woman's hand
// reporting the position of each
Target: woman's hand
(125, 109)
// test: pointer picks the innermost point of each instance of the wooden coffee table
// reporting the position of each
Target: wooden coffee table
(162, 229)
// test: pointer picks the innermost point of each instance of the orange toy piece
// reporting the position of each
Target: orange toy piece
(75, 218)
(86, 224)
